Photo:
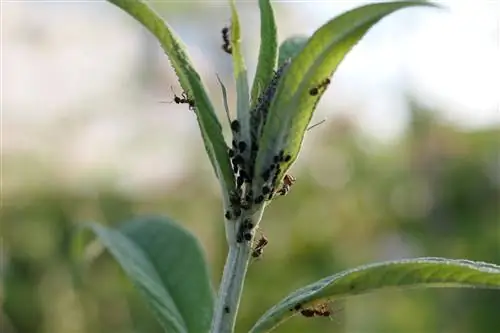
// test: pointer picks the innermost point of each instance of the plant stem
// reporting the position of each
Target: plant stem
(233, 278)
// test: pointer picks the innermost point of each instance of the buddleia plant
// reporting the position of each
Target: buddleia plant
(165, 262)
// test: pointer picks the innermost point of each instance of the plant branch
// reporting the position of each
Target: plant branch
(233, 278)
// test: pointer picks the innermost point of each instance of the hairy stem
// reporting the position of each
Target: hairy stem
(233, 278)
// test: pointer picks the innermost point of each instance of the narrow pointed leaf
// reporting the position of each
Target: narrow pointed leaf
(167, 266)
(293, 106)
(291, 47)
(268, 51)
(224, 99)
(407, 273)
(190, 82)
(240, 75)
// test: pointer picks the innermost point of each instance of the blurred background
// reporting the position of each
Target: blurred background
(406, 165)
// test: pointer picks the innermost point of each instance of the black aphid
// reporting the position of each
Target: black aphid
(242, 146)
(235, 126)
(259, 199)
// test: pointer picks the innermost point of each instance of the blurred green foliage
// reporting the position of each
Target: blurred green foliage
(434, 192)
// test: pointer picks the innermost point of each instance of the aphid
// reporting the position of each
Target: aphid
(265, 190)
(247, 224)
(281, 154)
(259, 199)
(244, 175)
(288, 181)
(238, 160)
(184, 99)
(227, 43)
(235, 126)
(226, 309)
(230, 153)
(242, 146)
(323, 84)
(227, 215)
(247, 236)
(259, 246)
(239, 181)
(266, 174)
(234, 198)
(287, 158)
(237, 212)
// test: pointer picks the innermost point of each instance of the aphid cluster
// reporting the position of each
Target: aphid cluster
(226, 46)
(258, 114)
(314, 91)
(258, 249)
(245, 232)
(271, 174)
(251, 188)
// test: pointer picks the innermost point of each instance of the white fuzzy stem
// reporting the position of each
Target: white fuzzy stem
(233, 278)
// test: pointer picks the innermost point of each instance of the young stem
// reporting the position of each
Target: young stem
(233, 279)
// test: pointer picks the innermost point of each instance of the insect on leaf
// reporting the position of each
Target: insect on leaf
(167, 266)
(407, 273)
(191, 83)
(293, 104)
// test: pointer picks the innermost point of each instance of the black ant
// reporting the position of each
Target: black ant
(184, 99)
(259, 247)
(315, 90)
(227, 43)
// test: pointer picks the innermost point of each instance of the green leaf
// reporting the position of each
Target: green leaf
(167, 265)
(240, 76)
(293, 106)
(291, 47)
(191, 83)
(268, 49)
(420, 272)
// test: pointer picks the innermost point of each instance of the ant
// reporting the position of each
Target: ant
(259, 247)
(321, 310)
(184, 99)
(315, 90)
(288, 181)
(227, 43)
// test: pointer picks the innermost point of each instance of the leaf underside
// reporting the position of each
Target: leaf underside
(407, 273)
(167, 266)
(293, 105)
